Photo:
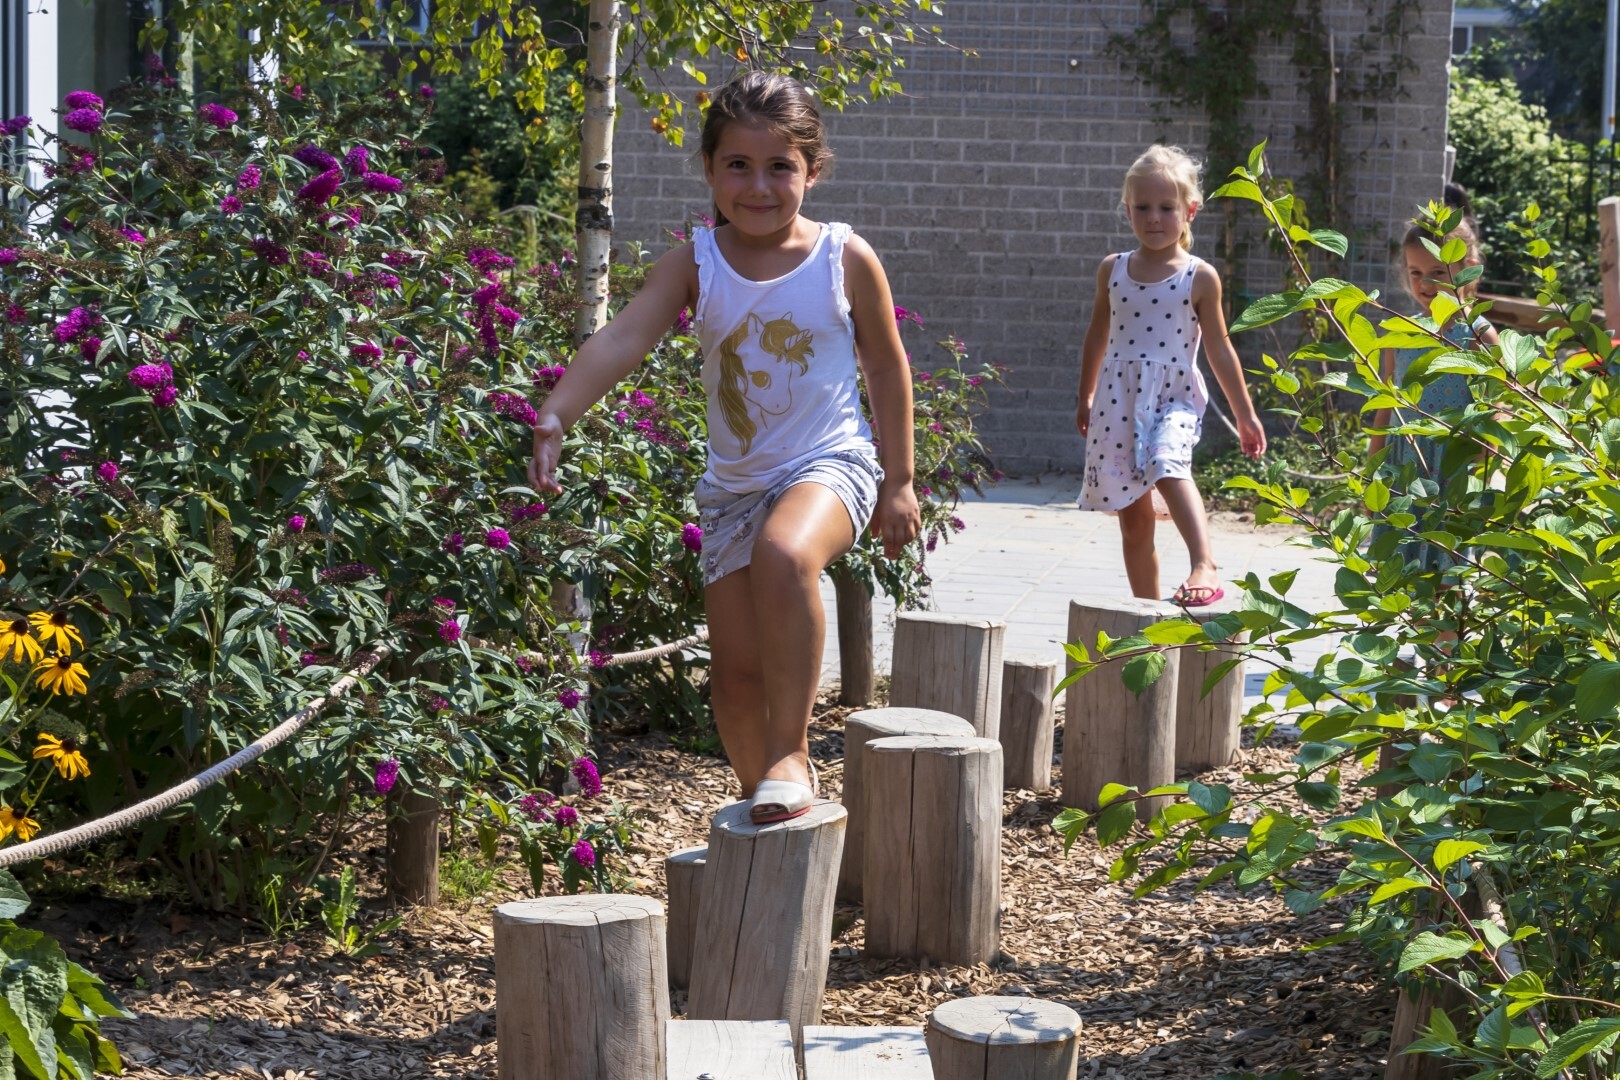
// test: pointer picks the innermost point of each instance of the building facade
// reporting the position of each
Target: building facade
(991, 189)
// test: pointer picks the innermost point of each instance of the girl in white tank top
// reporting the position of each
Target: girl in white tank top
(787, 311)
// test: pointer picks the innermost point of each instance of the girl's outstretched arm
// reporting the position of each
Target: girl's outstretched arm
(609, 355)
(888, 385)
(1223, 359)
(1096, 344)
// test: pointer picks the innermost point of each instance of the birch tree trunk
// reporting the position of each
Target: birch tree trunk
(594, 216)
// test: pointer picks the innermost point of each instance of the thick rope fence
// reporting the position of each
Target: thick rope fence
(365, 662)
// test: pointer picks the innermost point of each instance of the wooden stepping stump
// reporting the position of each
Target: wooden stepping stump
(861, 728)
(731, 1050)
(1004, 1038)
(765, 920)
(1027, 717)
(606, 954)
(932, 874)
(1111, 735)
(951, 663)
(683, 872)
(413, 849)
(866, 1053)
(1208, 725)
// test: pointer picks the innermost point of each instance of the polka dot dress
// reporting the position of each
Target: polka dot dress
(1149, 408)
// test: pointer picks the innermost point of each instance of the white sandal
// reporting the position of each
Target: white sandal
(783, 800)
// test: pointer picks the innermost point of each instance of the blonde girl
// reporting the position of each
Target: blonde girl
(1142, 396)
(786, 308)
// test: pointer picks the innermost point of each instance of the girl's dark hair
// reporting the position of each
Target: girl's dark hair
(1466, 230)
(781, 104)
(1456, 197)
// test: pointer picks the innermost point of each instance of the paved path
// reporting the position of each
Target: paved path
(1027, 552)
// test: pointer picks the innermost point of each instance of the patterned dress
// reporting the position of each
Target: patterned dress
(1434, 460)
(1149, 408)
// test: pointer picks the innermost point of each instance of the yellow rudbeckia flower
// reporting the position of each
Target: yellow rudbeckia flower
(16, 639)
(56, 626)
(60, 675)
(13, 822)
(64, 754)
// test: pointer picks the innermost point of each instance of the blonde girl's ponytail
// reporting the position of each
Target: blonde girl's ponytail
(1174, 164)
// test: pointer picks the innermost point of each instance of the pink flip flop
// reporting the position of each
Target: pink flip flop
(1198, 595)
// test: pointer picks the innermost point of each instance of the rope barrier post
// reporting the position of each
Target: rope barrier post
(855, 662)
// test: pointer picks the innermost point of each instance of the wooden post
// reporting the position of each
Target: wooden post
(1027, 718)
(997, 1038)
(951, 663)
(1208, 726)
(683, 873)
(731, 1050)
(1109, 733)
(865, 1053)
(413, 849)
(765, 920)
(1609, 259)
(579, 988)
(855, 664)
(932, 876)
(861, 728)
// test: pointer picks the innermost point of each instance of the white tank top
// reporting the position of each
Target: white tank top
(778, 364)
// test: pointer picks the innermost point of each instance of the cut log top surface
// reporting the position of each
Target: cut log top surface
(730, 1050)
(865, 1053)
(1129, 605)
(1005, 1021)
(1031, 662)
(581, 910)
(937, 744)
(953, 620)
(733, 819)
(898, 721)
(688, 855)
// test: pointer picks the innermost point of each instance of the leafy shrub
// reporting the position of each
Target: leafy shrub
(1489, 692)
(1509, 157)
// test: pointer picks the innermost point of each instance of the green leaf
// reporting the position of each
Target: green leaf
(1070, 824)
(1597, 693)
(1211, 799)
(1173, 632)
(1267, 310)
(13, 898)
(1142, 671)
(1447, 852)
(33, 982)
(1395, 888)
(1115, 822)
(1111, 793)
(1429, 947)
(1328, 240)
(1582, 1039)
(1361, 826)
(1376, 496)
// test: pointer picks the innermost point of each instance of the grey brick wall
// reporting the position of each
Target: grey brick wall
(991, 189)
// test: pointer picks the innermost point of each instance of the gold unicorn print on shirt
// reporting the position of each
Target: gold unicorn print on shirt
(779, 338)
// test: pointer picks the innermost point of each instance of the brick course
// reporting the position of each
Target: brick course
(991, 189)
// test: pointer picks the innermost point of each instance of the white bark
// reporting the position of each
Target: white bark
(594, 216)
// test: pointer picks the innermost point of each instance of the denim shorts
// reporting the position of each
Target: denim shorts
(732, 521)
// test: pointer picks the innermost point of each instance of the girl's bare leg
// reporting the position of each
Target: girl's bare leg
(1136, 524)
(766, 632)
(1187, 511)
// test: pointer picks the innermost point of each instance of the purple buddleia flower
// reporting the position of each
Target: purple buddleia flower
(107, 471)
(151, 377)
(590, 781)
(90, 348)
(84, 99)
(165, 396)
(498, 538)
(454, 543)
(347, 574)
(569, 698)
(9, 256)
(356, 160)
(692, 537)
(87, 121)
(315, 158)
(567, 817)
(134, 236)
(297, 523)
(450, 631)
(230, 204)
(600, 659)
(322, 187)
(584, 854)
(382, 182)
(249, 178)
(76, 324)
(427, 91)
(218, 115)
(387, 774)
(17, 125)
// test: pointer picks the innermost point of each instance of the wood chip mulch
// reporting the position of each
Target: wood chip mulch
(1178, 985)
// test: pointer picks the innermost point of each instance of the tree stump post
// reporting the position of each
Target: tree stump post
(951, 663)
(861, 728)
(855, 664)
(1208, 726)
(1609, 260)
(580, 989)
(683, 873)
(932, 875)
(413, 849)
(998, 1038)
(1109, 733)
(1027, 718)
(765, 920)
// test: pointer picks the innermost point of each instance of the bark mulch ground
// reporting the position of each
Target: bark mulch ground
(1178, 985)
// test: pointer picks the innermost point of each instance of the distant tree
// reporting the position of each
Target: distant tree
(1558, 55)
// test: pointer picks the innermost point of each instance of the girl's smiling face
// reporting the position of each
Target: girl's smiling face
(1157, 214)
(759, 180)
(1425, 272)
